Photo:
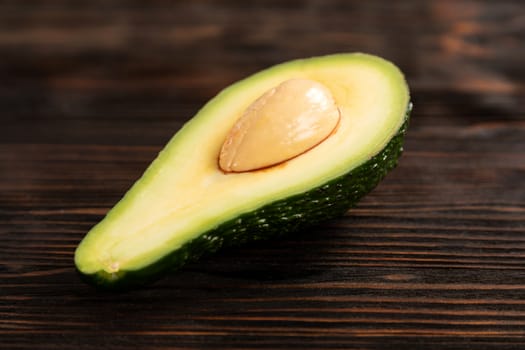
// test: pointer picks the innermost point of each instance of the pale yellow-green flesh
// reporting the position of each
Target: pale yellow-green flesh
(183, 193)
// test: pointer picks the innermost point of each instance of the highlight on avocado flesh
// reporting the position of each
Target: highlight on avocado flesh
(283, 123)
(285, 148)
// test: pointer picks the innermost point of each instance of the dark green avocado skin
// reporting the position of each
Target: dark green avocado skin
(291, 214)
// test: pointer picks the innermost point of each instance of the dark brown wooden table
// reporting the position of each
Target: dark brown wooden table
(434, 258)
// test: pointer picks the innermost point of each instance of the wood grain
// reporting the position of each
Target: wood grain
(434, 258)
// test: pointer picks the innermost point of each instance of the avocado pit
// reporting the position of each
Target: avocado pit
(283, 123)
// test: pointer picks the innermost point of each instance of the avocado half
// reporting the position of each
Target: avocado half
(184, 205)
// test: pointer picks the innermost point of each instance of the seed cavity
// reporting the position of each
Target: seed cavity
(283, 123)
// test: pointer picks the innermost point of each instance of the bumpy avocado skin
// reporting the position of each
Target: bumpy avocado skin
(284, 216)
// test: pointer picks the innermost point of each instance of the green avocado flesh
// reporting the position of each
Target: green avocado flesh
(184, 205)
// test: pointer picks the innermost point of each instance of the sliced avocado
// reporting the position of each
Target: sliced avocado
(186, 205)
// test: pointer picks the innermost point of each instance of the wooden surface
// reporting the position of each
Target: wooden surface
(434, 258)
